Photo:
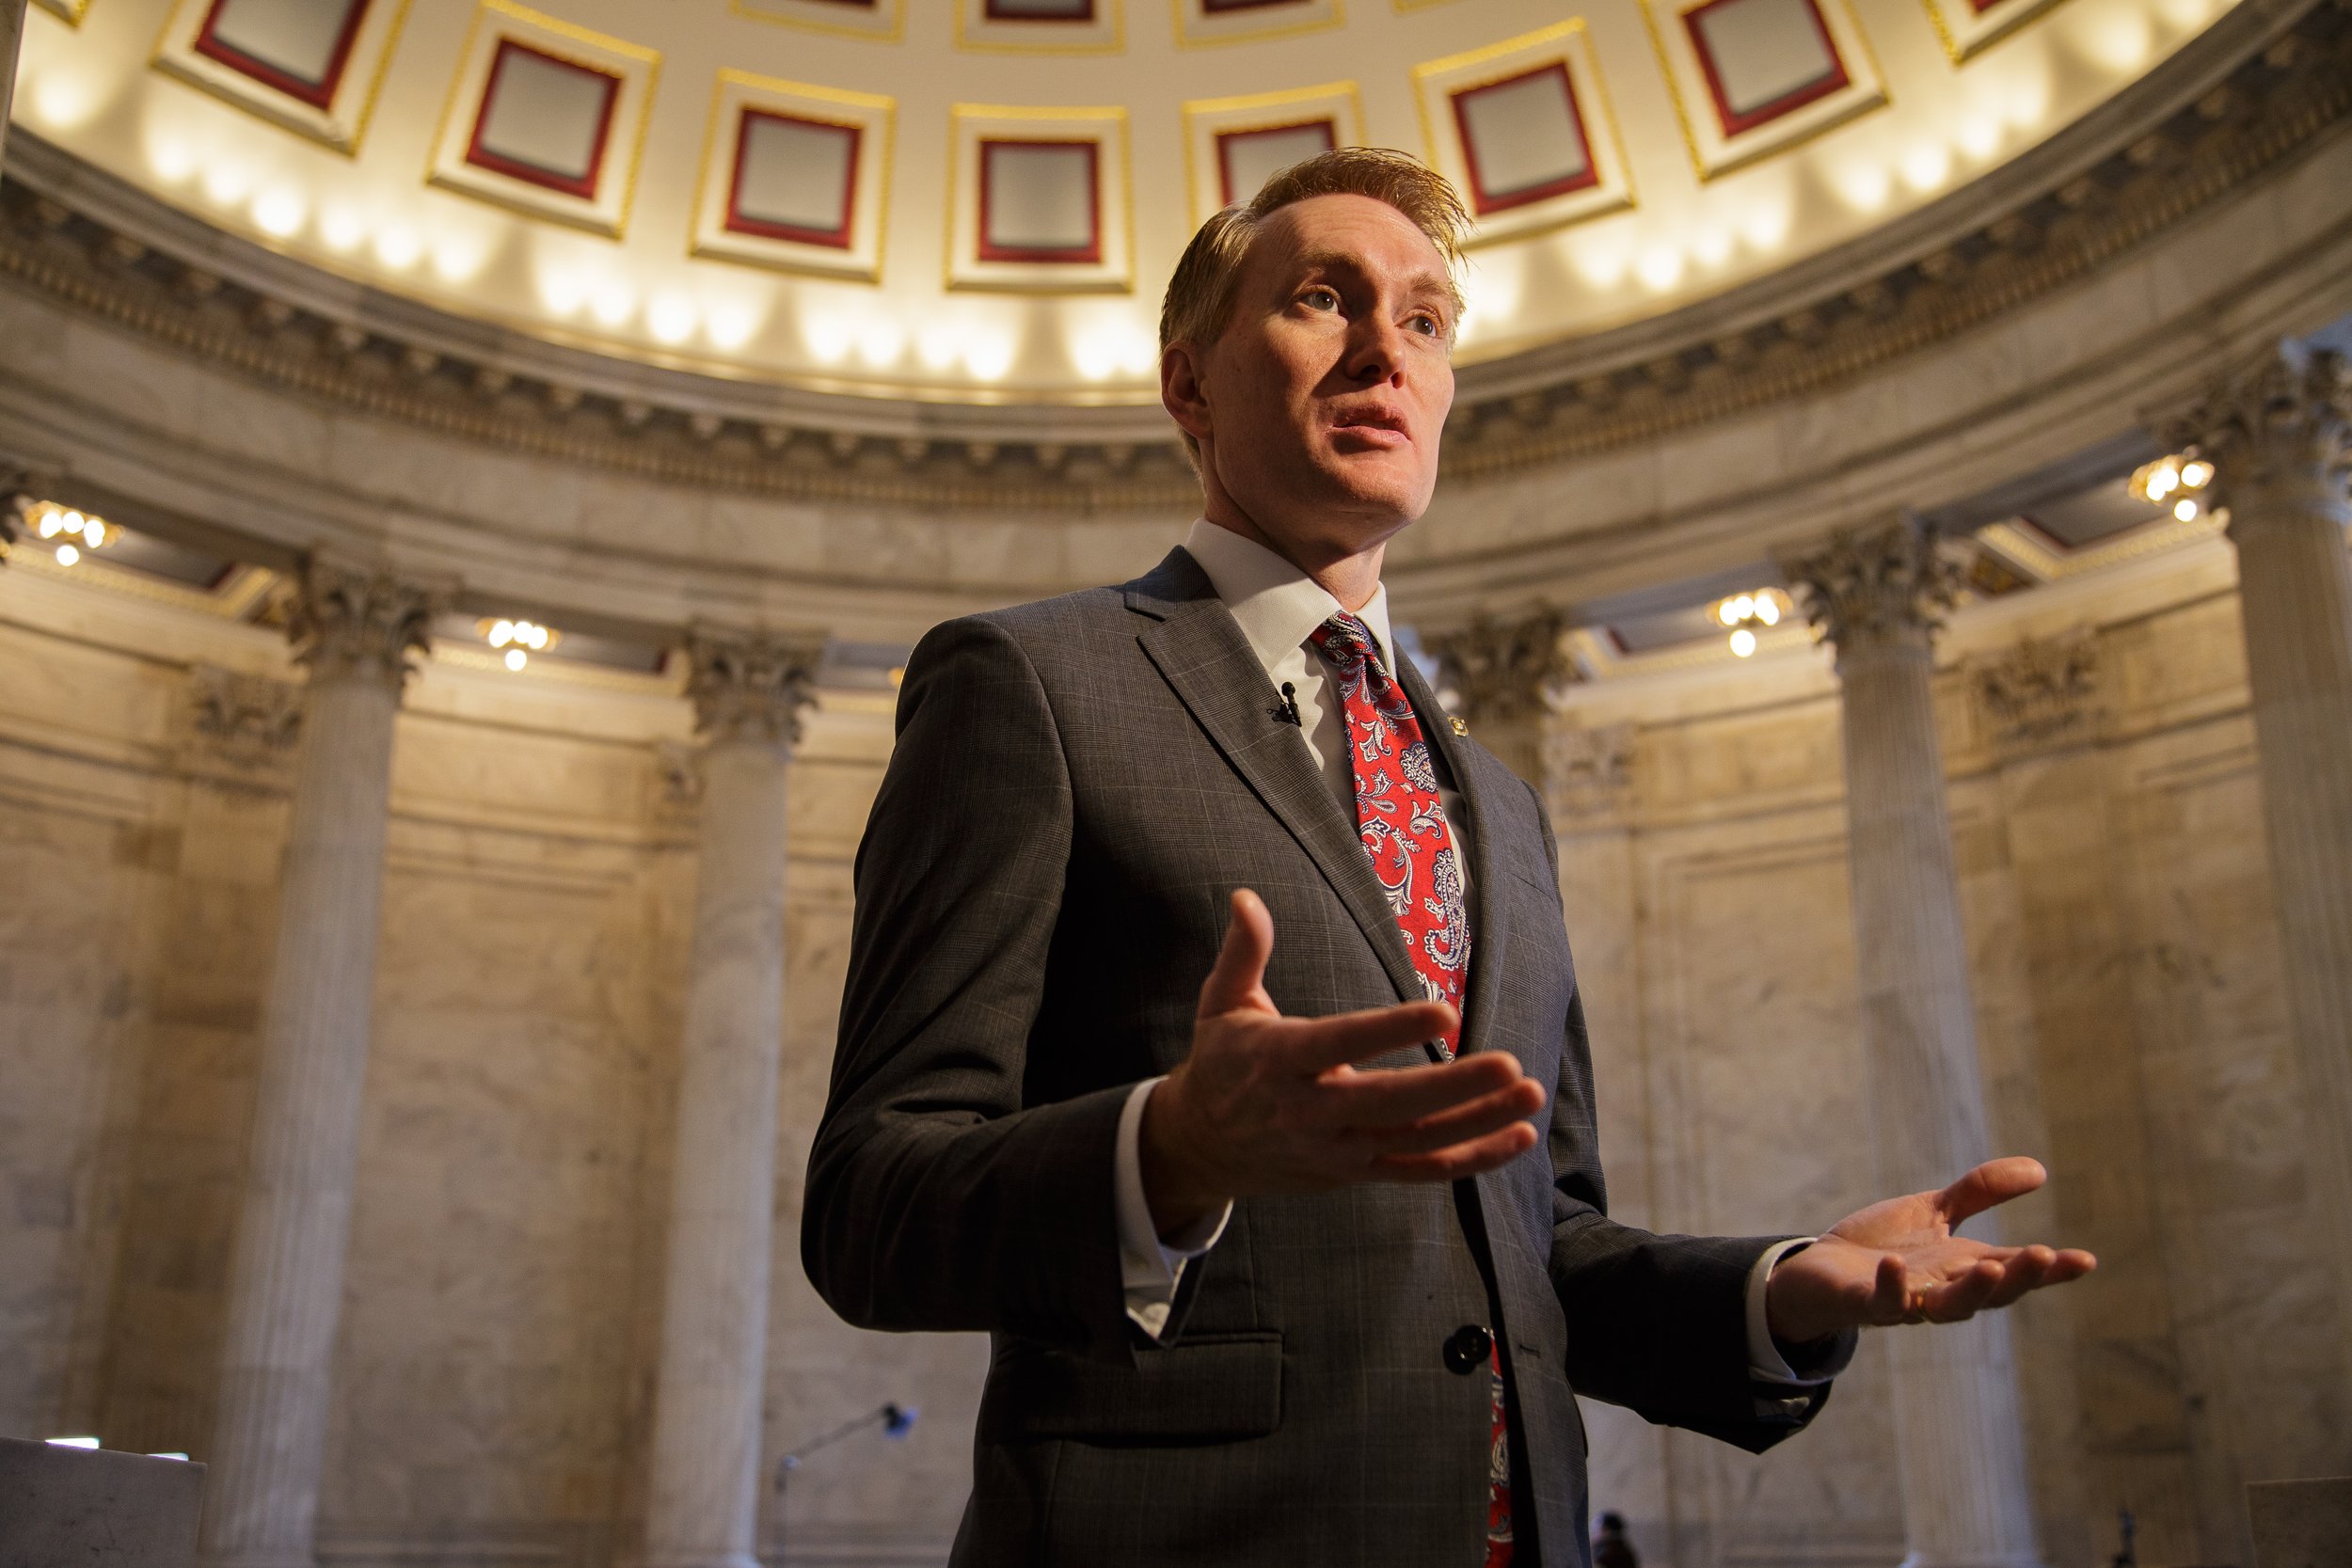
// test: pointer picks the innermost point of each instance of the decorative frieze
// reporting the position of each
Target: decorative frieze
(242, 726)
(752, 684)
(1879, 585)
(1501, 670)
(360, 624)
(2040, 693)
(675, 796)
(1587, 771)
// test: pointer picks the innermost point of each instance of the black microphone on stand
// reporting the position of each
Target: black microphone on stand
(1286, 711)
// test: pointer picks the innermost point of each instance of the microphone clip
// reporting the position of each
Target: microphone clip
(1286, 711)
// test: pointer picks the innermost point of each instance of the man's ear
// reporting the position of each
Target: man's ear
(1183, 390)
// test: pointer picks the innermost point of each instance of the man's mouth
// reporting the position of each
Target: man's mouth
(1375, 426)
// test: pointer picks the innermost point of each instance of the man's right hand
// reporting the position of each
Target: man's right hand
(1268, 1105)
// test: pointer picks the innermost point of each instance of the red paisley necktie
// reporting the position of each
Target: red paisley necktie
(1402, 821)
(1399, 815)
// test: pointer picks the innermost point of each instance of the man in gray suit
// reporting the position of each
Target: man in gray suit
(1211, 1040)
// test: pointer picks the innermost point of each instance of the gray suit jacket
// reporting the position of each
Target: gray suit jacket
(1078, 788)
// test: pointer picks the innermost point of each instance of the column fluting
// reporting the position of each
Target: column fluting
(355, 629)
(1959, 1433)
(748, 689)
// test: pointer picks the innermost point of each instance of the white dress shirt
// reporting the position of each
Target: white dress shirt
(1277, 606)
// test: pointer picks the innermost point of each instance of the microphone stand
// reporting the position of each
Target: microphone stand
(895, 1420)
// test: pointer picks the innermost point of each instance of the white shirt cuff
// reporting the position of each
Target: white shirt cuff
(1765, 1362)
(1149, 1268)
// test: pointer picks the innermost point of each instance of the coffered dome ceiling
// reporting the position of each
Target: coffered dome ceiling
(978, 200)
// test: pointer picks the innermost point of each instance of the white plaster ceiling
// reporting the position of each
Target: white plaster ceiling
(572, 171)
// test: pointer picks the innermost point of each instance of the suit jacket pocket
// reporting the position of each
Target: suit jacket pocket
(1204, 1388)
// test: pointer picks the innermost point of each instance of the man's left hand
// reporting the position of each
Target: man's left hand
(1899, 1263)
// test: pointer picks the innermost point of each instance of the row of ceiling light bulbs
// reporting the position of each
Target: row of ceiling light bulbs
(518, 639)
(74, 532)
(2180, 479)
(1743, 614)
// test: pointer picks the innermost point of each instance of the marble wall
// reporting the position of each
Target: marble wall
(496, 1358)
(2125, 965)
(494, 1366)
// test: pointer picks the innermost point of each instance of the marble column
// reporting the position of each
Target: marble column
(355, 629)
(1959, 1435)
(748, 689)
(2279, 433)
(1500, 672)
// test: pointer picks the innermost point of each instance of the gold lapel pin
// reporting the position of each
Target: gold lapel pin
(1461, 727)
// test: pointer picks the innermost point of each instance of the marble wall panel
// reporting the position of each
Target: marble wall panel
(888, 1497)
(2254, 1307)
(68, 971)
(1734, 764)
(483, 1370)
(195, 1097)
(1761, 1127)
(2129, 1431)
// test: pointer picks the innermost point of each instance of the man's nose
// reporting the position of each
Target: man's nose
(1376, 350)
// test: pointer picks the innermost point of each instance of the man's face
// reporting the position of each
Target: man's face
(1324, 395)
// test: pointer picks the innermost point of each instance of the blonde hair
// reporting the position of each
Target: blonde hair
(1200, 295)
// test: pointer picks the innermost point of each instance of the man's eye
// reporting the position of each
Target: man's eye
(1428, 325)
(1319, 299)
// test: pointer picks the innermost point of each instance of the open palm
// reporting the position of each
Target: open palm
(1898, 1261)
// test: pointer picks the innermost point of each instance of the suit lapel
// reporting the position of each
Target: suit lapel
(1488, 939)
(1200, 652)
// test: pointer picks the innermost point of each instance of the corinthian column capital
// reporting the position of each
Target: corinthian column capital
(1502, 667)
(752, 684)
(2285, 417)
(357, 623)
(1877, 586)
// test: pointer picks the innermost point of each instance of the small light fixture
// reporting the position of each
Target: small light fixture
(2176, 482)
(518, 639)
(81, 530)
(1743, 614)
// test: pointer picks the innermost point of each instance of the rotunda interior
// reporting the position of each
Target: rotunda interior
(447, 443)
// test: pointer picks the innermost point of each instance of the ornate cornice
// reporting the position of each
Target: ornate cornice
(104, 248)
(1502, 669)
(752, 684)
(1869, 588)
(355, 623)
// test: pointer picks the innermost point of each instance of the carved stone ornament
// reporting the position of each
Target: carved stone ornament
(752, 684)
(15, 496)
(677, 787)
(1586, 770)
(1502, 669)
(245, 722)
(1868, 587)
(347, 622)
(2287, 416)
(2041, 694)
